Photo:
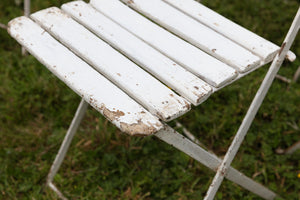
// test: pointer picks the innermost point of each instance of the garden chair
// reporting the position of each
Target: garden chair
(143, 63)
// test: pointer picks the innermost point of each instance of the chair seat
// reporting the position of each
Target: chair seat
(144, 65)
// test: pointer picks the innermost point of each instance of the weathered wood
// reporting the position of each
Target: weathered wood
(166, 70)
(208, 68)
(251, 41)
(104, 96)
(196, 33)
(144, 88)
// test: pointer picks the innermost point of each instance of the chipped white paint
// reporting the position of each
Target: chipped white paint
(251, 41)
(166, 70)
(208, 68)
(196, 33)
(104, 96)
(148, 91)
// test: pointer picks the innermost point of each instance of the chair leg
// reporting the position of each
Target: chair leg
(170, 136)
(26, 13)
(292, 148)
(65, 145)
(256, 103)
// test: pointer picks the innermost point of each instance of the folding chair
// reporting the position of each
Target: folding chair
(143, 63)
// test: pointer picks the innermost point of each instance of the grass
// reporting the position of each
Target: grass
(102, 163)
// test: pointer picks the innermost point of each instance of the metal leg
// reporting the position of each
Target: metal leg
(26, 13)
(292, 148)
(65, 145)
(296, 75)
(170, 136)
(257, 101)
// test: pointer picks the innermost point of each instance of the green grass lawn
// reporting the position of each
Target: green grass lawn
(102, 163)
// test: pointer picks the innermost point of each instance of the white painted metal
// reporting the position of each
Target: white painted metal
(67, 140)
(59, 194)
(148, 91)
(66, 144)
(251, 41)
(177, 140)
(105, 97)
(166, 70)
(256, 103)
(296, 75)
(293, 148)
(196, 33)
(206, 67)
(26, 13)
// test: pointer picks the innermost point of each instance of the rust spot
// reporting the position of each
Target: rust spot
(80, 14)
(281, 48)
(143, 112)
(187, 105)
(50, 11)
(174, 64)
(199, 95)
(138, 129)
(216, 24)
(214, 50)
(197, 88)
(159, 115)
(112, 115)
(172, 95)
(130, 1)
(118, 74)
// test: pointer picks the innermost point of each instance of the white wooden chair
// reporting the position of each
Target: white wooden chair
(106, 50)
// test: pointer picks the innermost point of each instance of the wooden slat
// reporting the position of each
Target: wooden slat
(104, 96)
(233, 31)
(148, 91)
(251, 41)
(169, 72)
(196, 33)
(209, 69)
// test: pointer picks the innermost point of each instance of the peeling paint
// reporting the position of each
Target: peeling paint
(138, 128)
(112, 115)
